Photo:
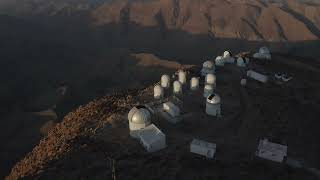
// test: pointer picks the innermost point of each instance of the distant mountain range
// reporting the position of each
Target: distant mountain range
(91, 46)
(268, 20)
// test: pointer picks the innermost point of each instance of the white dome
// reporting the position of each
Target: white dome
(240, 62)
(158, 91)
(219, 61)
(210, 79)
(139, 115)
(194, 83)
(165, 81)
(218, 57)
(208, 64)
(177, 87)
(213, 99)
(208, 89)
(213, 105)
(182, 77)
(264, 50)
(226, 54)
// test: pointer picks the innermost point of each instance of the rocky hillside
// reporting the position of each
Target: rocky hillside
(262, 20)
(92, 142)
(96, 47)
(245, 19)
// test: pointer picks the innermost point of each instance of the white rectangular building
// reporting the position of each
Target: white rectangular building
(152, 138)
(203, 148)
(271, 151)
(257, 76)
(171, 109)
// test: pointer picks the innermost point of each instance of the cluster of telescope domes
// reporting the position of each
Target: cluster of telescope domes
(153, 139)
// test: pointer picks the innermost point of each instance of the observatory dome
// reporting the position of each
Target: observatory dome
(210, 79)
(208, 64)
(177, 87)
(241, 62)
(213, 105)
(194, 83)
(226, 54)
(207, 67)
(264, 50)
(139, 115)
(182, 76)
(165, 81)
(158, 92)
(213, 99)
(219, 61)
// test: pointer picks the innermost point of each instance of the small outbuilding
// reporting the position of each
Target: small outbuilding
(171, 109)
(257, 76)
(139, 117)
(152, 138)
(213, 105)
(243, 82)
(271, 151)
(203, 148)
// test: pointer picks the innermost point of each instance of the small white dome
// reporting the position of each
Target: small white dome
(218, 57)
(165, 81)
(241, 62)
(177, 87)
(194, 83)
(210, 79)
(158, 91)
(182, 77)
(208, 64)
(208, 89)
(219, 61)
(264, 50)
(139, 115)
(213, 99)
(226, 54)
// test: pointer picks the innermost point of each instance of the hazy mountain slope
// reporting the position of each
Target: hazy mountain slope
(269, 20)
(248, 20)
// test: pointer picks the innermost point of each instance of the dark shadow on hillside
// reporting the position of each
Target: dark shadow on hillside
(310, 25)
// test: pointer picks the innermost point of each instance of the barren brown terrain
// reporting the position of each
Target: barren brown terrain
(94, 139)
(101, 47)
